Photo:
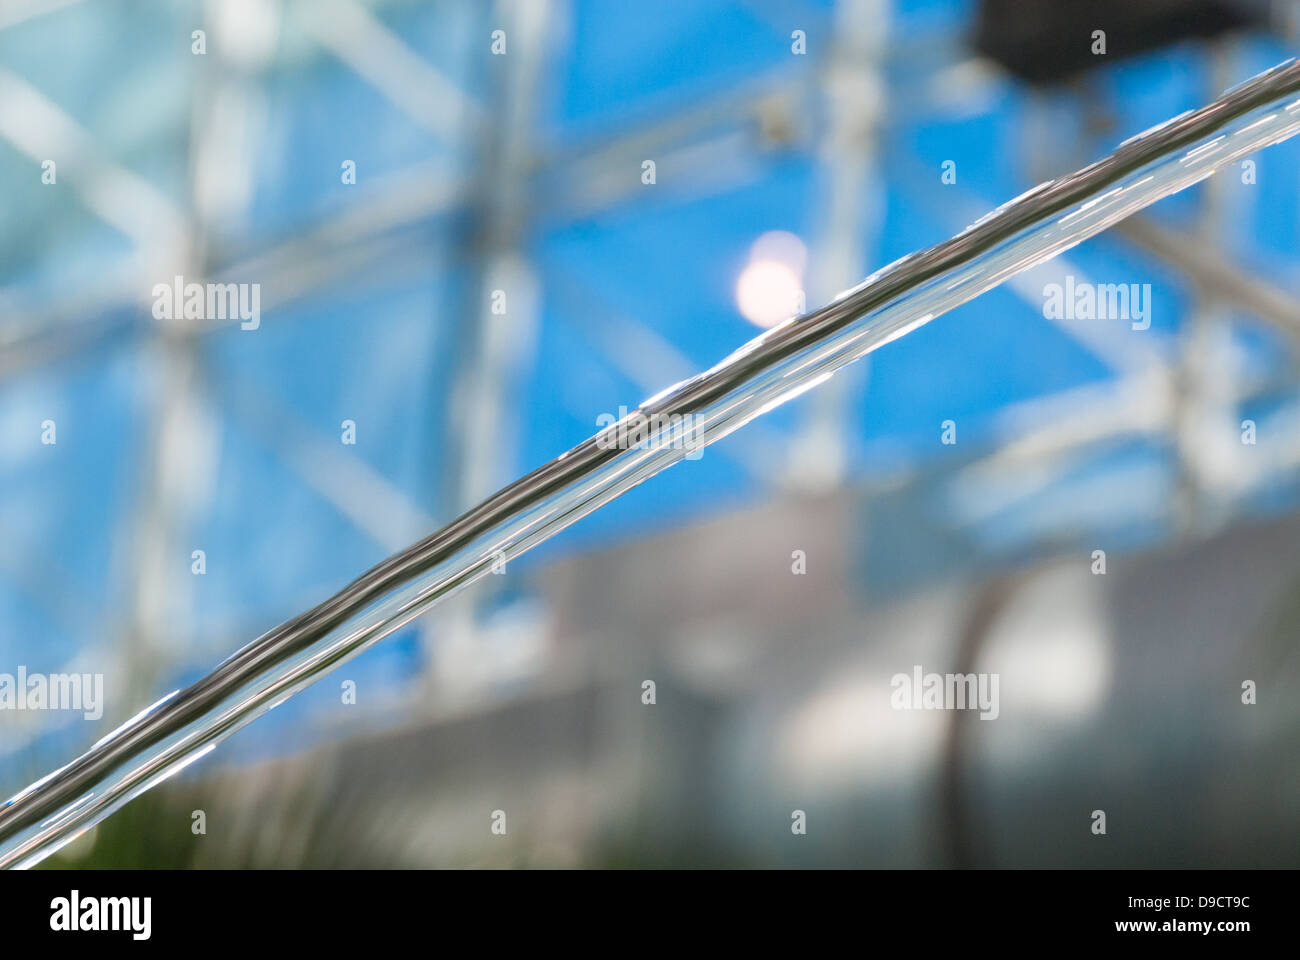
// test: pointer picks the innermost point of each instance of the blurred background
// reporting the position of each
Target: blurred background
(382, 170)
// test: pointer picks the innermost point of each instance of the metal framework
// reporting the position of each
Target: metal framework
(349, 31)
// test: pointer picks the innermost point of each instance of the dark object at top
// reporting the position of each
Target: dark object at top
(1047, 41)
